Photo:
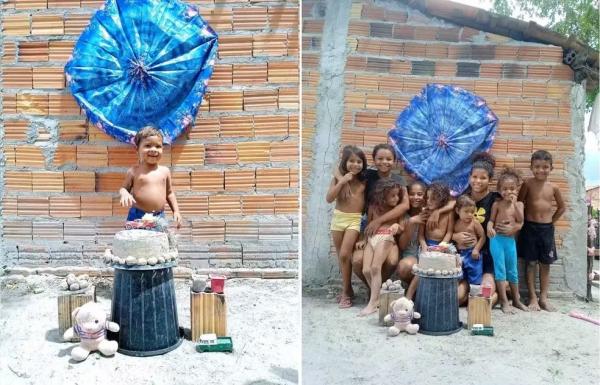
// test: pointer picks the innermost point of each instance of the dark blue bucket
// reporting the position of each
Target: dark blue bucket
(437, 301)
(144, 306)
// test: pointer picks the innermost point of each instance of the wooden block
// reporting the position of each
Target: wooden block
(96, 206)
(253, 152)
(62, 104)
(271, 125)
(16, 25)
(48, 77)
(65, 206)
(76, 23)
(479, 311)
(208, 314)
(245, 74)
(236, 126)
(80, 181)
(47, 181)
(60, 50)
(207, 231)
(239, 180)
(249, 18)
(47, 25)
(69, 302)
(272, 178)
(17, 77)
(207, 180)
(16, 129)
(92, 156)
(224, 205)
(385, 300)
(33, 104)
(269, 44)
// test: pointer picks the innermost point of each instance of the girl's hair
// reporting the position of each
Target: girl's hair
(417, 183)
(439, 192)
(464, 201)
(146, 132)
(484, 161)
(384, 146)
(382, 188)
(506, 174)
(347, 152)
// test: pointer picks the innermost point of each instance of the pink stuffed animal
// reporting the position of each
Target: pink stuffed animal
(402, 313)
(91, 325)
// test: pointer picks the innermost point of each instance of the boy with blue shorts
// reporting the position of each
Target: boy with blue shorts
(147, 186)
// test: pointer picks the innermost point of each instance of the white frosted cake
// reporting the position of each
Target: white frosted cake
(440, 260)
(140, 247)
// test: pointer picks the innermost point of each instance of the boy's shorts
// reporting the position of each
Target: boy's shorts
(472, 268)
(536, 242)
(431, 242)
(342, 221)
(135, 213)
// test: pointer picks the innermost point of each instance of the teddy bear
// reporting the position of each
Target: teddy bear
(91, 325)
(402, 313)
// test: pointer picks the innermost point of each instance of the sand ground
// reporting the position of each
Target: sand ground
(527, 348)
(263, 320)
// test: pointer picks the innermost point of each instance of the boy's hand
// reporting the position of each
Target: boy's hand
(177, 218)
(491, 233)
(395, 228)
(360, 245)
(423, 246)
(475, 254)
(127, 199)
(432, 222)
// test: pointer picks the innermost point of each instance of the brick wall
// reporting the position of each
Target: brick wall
(393, 51)
(235, 173)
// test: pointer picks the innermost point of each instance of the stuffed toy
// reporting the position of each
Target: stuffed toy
(402, 313)
(91, 325)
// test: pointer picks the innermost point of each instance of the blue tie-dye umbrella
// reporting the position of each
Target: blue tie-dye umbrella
(142, 62)
(437, 134)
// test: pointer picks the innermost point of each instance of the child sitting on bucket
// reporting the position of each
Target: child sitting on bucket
(438, 196)
(147, 185)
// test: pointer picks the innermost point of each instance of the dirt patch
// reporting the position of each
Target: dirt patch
(263, 321)
(528, 348)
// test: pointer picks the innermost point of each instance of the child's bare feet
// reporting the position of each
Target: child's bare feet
(345, 302)
(519, 305)
(339, 297)
(533, 304)
(370, 309)
(544, 304)
(507, 309)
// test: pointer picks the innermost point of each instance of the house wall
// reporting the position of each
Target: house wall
(393, 51)
(235, 173)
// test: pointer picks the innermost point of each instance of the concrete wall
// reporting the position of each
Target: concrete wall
(392, 52)
(235, 173)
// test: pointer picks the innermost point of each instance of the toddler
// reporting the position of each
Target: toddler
(466, 222)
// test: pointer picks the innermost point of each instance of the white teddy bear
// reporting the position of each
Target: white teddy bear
(91, 325)
(402, 313)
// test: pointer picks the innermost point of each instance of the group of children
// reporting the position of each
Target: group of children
(483, 224)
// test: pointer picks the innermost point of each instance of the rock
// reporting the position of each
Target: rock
(64, 285)
(71, 279)
(83, 284)
(130, 260)
(444, 272)
(142, 261)
(152, 261)
(83, 277)
(74, 286)
(38, 290)
(116, 259)
(161, 259)
(430, 271)
(437, 272)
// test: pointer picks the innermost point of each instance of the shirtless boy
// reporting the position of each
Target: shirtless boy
(147, 185)
(536, 240)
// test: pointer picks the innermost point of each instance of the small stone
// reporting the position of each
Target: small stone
(83, 284)
(38, 290)
(142, 261)
(64, 285)
(430, 271)
(437, 272)
(130, 260)
(444, 272)
(152, 261)
(74, 286)
(161, 260)
(83, 277)
(116, 259)
(71, 279)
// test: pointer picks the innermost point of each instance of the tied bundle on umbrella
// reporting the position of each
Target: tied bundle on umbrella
(437, 134)
(143, 62)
